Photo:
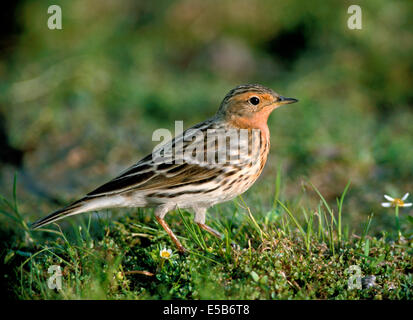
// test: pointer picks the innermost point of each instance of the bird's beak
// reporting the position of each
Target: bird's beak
(283, 100)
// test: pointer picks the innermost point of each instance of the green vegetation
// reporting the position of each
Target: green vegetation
(81, 104)
(275, 257)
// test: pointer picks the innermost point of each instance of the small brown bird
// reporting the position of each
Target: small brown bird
(209, 163)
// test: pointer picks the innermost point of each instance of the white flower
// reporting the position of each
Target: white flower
(165, 253)
(396, 202)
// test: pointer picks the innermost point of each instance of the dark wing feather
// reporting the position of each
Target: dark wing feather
(148, 175)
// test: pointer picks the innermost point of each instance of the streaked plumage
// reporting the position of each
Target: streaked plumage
(199, 172)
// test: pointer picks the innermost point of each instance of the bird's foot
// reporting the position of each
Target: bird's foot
(183, 252)
(181, 248)
(210, 230)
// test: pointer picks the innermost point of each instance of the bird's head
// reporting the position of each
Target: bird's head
(250, 105)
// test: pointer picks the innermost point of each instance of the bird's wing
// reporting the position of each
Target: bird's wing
(153, 173)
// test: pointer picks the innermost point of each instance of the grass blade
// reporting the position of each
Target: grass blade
(293, 219)
(340, 210)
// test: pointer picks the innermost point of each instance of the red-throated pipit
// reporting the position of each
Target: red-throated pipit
(212, 162)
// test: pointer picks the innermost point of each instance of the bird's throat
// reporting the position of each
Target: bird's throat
(257, 121)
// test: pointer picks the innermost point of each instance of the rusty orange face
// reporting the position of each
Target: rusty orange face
(251, 108)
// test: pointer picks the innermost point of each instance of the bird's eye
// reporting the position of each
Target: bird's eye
(254, 100)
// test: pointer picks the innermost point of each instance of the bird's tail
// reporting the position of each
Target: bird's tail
(72, 209)
(83, 205)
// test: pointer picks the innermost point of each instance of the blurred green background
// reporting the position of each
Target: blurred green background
(79, 105)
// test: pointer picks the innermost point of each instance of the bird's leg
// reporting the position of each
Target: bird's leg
(174, 238)
(160, 213)
(210, 230)
(200, 220)
(217, 234)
